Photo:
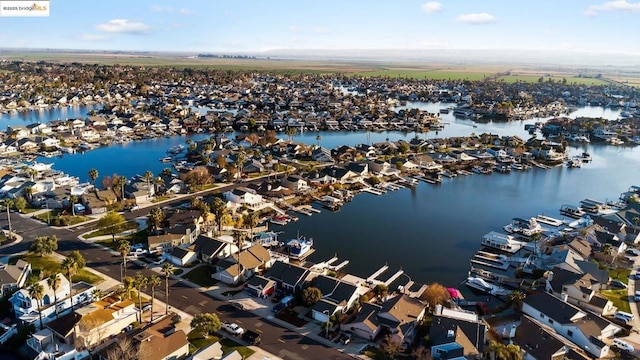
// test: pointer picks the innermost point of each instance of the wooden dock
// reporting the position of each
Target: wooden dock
(373, 191)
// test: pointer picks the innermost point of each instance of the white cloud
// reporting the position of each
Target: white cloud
(124, 26)
(320, 30)
(92, 37)
(294, 29)
(185, 11)
(477, 18)
(618, 5)
(431, 7)
(158, 9)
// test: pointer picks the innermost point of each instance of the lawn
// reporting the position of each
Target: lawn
(45, 266)
(129, 225)
(621, 274)
(619, 298)
(161, 198)
(197, 341)
(229, 345)
(201, 276)
(56, 218)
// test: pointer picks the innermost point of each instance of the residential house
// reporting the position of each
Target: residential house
(252, 166)
(337, 296)
(380, 166)
(165, 243)
(457, 333)
(366, 324)
(242, 196)
(162, 341)
(321, 154)
(289, 278)
(210, 249)
(586, 330)
(260, 286)
(579, 289)
(13, 277)
(181, 256)
(46, 345)
(401, 314)
(539, 342)
(295, 183)
(243, 265)
(27, 308)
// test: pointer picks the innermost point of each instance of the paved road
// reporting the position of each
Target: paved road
(282, 342)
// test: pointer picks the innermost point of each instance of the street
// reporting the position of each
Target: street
(282, 342)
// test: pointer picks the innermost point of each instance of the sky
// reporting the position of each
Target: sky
(254, 26)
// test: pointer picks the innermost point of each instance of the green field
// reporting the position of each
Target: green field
(556, 78)
(424, 74)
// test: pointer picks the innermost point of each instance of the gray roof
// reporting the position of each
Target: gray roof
(10, 274)
(208, 246)
(259, 282)
(333, 289)
(552, 307)
(287, 273)
(179, 253)
(536, 340)
(441, 325)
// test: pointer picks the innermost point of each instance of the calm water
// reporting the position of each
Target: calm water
(432, 231)
(44, 115)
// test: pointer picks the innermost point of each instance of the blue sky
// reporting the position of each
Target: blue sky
(259, 25)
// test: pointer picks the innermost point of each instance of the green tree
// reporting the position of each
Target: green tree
(28, 193)
(206, 323)
(20, 204)
(381, 290)
(311, 295)
(112, 222)
(148, 177)
(219, 209)
(390, 348)
(44, 245)
(78, 259)
(128, 284)
(155, 219)
(516, 298)
(167, 270)
(70, 267)
(435, 294)
(119, 183)
(93, 175)
(140, 282)
(124, 248)
(36, 291)
(154, 281)
(72, 201)
(54, 282)
(251, 219)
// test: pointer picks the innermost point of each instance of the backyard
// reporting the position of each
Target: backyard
(197, 341)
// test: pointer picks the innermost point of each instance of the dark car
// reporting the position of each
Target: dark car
(632, 252)
(279, 307)
(251, 337)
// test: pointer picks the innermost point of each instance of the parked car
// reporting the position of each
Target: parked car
(623, 345)
(251, 337)
(160, 261)
(279, 307)
(346, 339)
(618, 284)
(636, 296)
(233, 328)
(632, 252)
(237, 305)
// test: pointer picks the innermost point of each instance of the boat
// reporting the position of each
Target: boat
(586, 157)
(40, 166)
(504, 169)
(299, 247)
(444, 111)
(517, 166)
(175, 150)
(574, 164)
(571, 211)
(165, 159)
(267, 239)
(524, 227)
(463, 111)
(484, 286)
(281, 220)
(448, 173)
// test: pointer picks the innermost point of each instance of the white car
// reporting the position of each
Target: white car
(233, 328)
(160, 261)
(137, 252)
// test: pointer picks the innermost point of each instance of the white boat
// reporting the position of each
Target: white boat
(165, 159)
(524, 227)
(571, 211)
(299, 247)
(485, 286)
(176, 149)
(40, 166)
(574, 164)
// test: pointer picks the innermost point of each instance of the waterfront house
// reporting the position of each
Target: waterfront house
(366, 324)
(380, 166)
(401, 315)
(457, 332)
(296, 183)
(502, 242)
(337, 296)
(13, 277)
(341, 174)
(243, 265)
(242, 196)
(541, 343)
(211, 249)
(586, 330)
(289, 278)
(578, 289)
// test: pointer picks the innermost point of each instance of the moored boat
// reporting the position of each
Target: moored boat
(571, 211)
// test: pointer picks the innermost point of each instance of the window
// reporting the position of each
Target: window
(541, 316)
(550, 321)
(569, 332)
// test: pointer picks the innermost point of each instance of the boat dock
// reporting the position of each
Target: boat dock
(541, 166)
(306, 210)
(428, 180)
(464, 172)
(373, 191)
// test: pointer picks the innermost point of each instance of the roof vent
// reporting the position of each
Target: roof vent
(449, 333)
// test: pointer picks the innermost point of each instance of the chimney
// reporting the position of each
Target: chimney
(438, 309)
(550, 276)
(450, 334)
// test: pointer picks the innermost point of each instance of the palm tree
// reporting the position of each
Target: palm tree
(93, 175)
(607, 250)
(140, 282)
(148, 176)
(70, 266)
(72, 200)
(251, 219)
(28, 193)
(36, 291)
(54, 283)
(516, 298)
(8, 204)
(120, 183)
(239, 236)
(156, 216)
(123, 248)
(128, 284)
(154, 281)
(636, 220)
(167, 270)
(219, 209)
(242, 158)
